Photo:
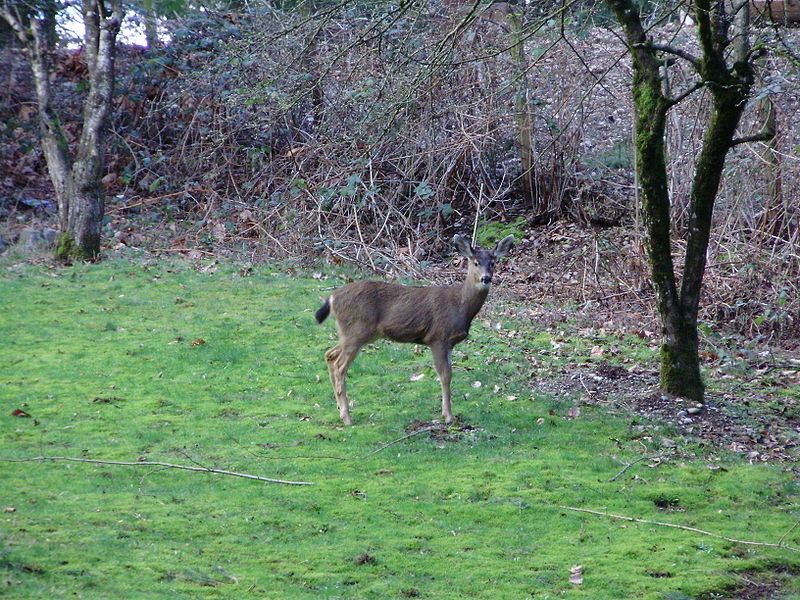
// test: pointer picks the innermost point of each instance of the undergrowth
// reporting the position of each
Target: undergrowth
(223, 367)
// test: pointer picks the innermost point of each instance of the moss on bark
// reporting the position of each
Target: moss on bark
(680, 365)
(68, 250)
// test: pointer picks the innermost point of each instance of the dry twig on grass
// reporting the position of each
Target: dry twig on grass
(780, 543)
(149, 463)
(400, 439)
(638, 460)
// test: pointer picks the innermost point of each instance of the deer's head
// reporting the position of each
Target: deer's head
(481, 261)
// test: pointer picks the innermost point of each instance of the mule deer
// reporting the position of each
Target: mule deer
(437, 316)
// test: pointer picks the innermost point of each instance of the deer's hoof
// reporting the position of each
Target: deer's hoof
(347, 420)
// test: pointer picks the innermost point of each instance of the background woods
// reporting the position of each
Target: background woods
(370, 133)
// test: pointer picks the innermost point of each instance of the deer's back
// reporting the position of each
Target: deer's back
(373, 309)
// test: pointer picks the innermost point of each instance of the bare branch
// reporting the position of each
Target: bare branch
(400, 439)
(667, 49)
(15, 23)
(681, 97)
(762, 136)
(638, 460)
(685, 528)
(149, 463)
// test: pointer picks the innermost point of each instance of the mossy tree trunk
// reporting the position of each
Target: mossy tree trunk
(729, 88)
(76, 180)
(522, 111)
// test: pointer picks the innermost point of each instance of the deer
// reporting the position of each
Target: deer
(436, 316)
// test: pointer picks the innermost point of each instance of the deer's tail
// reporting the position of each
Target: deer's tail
(323, 311)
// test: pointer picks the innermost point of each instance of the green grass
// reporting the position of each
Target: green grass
(107, 362)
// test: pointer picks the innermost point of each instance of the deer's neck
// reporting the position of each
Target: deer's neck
(472, 299)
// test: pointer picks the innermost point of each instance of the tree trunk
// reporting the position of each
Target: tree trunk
(49, 10)
(522, 110)
(729, 87)
(77, 183)
(773, 217)
(680, 363)
(150, 24)
(80, 239)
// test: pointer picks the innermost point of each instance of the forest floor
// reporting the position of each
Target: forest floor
(212, 364)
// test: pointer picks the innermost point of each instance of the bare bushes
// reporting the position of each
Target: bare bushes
(361, 136)
(369, 137)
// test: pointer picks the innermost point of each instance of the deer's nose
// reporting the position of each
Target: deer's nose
(486, 279)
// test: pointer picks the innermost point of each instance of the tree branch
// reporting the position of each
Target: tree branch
(400, 439)
(15, 22)
(638, 460)
(687, 56)
(147, 463)
(762, 136)
(780, 544)
(678, 99)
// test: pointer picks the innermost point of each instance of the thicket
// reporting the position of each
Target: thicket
(371, 134)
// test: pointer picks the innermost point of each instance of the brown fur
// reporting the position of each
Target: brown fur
(436, 316)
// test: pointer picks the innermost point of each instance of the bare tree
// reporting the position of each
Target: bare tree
(725, 70)
(76, 179)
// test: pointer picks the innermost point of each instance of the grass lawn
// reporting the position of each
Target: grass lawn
(134, 361)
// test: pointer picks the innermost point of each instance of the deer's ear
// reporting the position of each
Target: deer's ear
(503, 246)
(462, 245)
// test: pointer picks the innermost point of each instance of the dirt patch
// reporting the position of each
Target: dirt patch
(442, 432)
(739, 423)
(755, 585)
(365, 559)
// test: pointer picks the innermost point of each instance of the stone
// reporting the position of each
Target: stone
(31, 239)
(50, 235)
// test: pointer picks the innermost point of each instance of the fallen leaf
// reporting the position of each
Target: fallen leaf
(9, 509)
(417, 377)
(476, 384)
(198, 342)
(597, 351)
(574, 412)
(576, 575)
(18, 412)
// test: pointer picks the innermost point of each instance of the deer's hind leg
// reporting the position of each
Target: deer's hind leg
(443, 362)
(339, 359)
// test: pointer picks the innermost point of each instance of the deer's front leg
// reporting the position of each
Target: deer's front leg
(442, 361)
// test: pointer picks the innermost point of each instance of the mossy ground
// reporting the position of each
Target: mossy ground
(168, 362)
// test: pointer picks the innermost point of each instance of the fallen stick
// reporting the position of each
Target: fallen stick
(150, 463)
(638, 460)
(400, 439)
(780, 544)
